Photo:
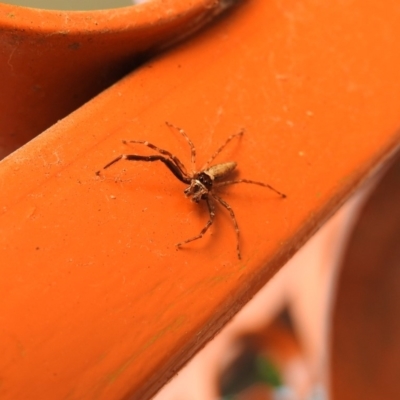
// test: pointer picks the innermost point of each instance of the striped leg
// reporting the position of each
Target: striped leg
(192, 148)
(219, 184)
(211, 207)
(221, 148)
(235, 224)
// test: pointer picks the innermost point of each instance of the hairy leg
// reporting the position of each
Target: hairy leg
(159, 150)
(167, 161)
(211, 207)
(226, 183)
(235, 224)
(192, 148)
(221, 148)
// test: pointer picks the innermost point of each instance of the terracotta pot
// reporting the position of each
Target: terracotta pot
(51, 62)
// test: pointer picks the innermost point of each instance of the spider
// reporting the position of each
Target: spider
(202, 184)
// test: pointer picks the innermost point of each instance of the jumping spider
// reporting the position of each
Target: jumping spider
(201, 183)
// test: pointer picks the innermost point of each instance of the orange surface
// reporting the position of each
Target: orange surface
(51, 62)
(96, 302)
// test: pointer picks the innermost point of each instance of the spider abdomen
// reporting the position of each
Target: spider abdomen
(218, 171)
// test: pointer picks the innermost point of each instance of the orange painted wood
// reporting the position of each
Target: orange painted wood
(52, 62)
(96, 301)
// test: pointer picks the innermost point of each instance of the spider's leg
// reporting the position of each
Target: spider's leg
(211, 207)
(111, 163)
(192, 148)
(221, 148)
(219, 184)
(159, 150)
(181, 175)
(235, 224)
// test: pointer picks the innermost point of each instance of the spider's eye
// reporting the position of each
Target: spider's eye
(205, 180)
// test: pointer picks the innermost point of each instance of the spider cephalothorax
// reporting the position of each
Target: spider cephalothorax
(199, 187)
(202, 184)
